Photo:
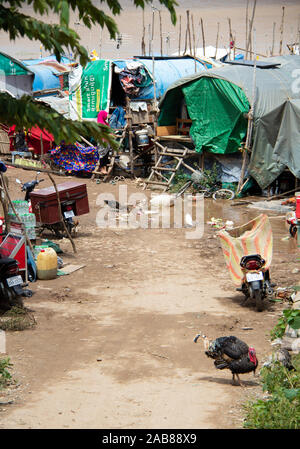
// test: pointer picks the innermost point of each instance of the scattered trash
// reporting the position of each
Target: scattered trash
(217, 223)
(68, 269)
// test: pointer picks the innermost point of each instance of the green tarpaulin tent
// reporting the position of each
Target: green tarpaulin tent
(218, 100)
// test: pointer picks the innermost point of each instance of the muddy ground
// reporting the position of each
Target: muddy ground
(113, 345)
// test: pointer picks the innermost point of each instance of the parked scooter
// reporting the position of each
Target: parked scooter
(256, 283)
(29, 187)
(11, 284)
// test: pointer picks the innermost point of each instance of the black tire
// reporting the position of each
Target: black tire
(223, 194)
(258, 300)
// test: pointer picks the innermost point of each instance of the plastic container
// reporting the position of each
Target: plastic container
(46, 264)
(142, 137)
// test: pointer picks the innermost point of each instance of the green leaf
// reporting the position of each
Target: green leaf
(295, 323)
(292, 393)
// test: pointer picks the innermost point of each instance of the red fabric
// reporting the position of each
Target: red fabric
(34, 140)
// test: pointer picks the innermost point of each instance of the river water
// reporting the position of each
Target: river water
(130, 24)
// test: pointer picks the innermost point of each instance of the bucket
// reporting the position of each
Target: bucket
(142, 138)
(46, 264)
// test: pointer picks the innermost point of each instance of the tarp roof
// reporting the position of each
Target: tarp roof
(45, 77)
(11, 66)
(276, 140)
(166, 70)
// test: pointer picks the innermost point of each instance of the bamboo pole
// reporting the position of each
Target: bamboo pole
(217, 40)
(42, 147)
(203, 36)
(4, 202)
(250, 125)
(273, 39)
(281, 31)
(160, 31)
(249, 41)
(143, 45)
(230, 36)
(247, 13)
(194, 43)
(179, 39)
(189, 31)
(61, 216)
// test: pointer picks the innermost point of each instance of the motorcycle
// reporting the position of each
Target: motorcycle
(256, 282)
(11, 284)
(29, 187)
(67, 209)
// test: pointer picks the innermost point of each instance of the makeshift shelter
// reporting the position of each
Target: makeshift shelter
(105, 83)
(218, 102)
(14, 76)
(34, 136)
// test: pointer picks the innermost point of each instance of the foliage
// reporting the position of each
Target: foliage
(57, 38)
(210, 177)
(290, 317)
(5, 376)
(281, 408)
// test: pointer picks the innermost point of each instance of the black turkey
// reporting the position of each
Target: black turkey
(230, 353)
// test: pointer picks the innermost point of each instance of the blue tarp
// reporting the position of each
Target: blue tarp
(45, 77)
(166, 71)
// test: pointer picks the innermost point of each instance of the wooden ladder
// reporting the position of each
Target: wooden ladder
(159, 169)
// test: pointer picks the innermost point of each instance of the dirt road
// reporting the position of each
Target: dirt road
(113, 345)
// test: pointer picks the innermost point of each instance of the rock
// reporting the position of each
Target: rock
(295, 271)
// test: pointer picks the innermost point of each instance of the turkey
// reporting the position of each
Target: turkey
(230, 353)
(282, 356)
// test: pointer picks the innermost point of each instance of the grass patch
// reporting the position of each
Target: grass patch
(281, 408)
(5, 376)
(16, 319)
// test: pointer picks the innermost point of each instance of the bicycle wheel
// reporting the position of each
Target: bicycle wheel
(223, 194)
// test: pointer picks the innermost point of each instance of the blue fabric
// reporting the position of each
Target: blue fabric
(75, 157)
(117, 119)
(3, 167)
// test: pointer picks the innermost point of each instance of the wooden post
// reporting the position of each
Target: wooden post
(143, 36)
(189, 30)
(160, 30)
(249, 41)
(179, 40)
(130, 134)
(152, 30)
(217, 40)
(273, 39)
(194, 43)
(4, 201)
(230, 36)
(281, 31)
(203, 36)
(42, 148)
(247, 12)
(60, 214)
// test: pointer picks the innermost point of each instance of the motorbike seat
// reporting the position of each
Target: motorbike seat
(7, 261)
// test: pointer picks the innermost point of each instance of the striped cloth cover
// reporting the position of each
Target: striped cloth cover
(254, 237)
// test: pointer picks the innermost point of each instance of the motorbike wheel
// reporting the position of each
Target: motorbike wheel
(223, 194)
(258, 300)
